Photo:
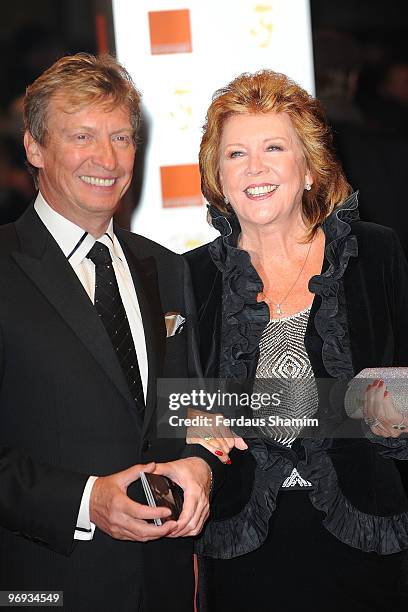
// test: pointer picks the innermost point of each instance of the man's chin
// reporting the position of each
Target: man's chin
(101, 206)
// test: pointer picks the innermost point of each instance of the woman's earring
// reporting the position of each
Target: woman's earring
(308, 187)
(226, 200)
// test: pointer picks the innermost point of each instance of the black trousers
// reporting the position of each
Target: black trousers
(301, 566)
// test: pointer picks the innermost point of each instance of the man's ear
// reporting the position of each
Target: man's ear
(33, 151)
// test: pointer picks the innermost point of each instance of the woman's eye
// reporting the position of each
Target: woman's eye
(274, 148)
(236, 154)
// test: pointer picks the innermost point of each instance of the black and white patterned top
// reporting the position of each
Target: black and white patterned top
(284, 368)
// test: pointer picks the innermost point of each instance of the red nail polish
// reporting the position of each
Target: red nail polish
(228, 462)
(386, 393)
(218, 453)
(381, 383)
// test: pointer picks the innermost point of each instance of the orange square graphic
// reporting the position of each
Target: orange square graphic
(170, 31)
(180, 186)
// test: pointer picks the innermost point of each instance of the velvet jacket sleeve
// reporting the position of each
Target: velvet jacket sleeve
(218, 469)
(396, 279)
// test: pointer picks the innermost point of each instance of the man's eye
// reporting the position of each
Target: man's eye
(122, 139)
(82, 137)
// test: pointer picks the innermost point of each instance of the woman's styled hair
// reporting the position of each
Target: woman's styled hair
(80, 80)
(265, 92)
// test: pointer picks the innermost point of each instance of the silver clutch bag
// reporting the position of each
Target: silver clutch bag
(395, 379)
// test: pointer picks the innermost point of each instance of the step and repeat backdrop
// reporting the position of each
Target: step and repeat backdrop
(179, 53)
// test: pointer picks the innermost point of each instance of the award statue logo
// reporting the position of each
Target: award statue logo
(262, 28)
(180, 107)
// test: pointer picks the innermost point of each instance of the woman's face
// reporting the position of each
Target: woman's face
(263, 171)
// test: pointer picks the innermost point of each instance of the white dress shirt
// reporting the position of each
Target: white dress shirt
(75, 243)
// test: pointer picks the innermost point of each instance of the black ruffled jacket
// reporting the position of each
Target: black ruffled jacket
(359, 319)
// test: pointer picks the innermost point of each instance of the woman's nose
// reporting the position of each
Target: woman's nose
(255, 165)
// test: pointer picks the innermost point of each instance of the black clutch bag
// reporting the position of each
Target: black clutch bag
(160, 492)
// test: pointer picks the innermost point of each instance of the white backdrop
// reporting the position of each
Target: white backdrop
(179, 53)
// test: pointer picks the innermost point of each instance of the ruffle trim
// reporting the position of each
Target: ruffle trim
(384, 535)
(243, 318)
(247, 531)
(391, 448)
(331, 318)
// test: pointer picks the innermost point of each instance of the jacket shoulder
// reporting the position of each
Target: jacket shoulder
(199, 260)
(144, 247)
(369, 230)
(376, 242)
(203, 272)
(8, 238)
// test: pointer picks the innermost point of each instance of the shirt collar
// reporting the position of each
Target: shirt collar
(74, 242)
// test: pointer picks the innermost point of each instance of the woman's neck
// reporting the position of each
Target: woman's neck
(285, 261)
(274, 242)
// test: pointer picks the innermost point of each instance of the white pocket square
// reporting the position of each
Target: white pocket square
(174, 323)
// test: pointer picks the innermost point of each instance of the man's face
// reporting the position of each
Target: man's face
(86, 164)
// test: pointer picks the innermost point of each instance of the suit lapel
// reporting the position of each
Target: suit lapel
(45, 264)
(145, 279)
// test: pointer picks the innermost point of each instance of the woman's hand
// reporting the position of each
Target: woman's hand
(216, 437)
(380, 413)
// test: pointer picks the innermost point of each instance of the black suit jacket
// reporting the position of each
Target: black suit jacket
(66, 413)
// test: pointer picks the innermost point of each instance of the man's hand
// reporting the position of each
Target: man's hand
(193, 475)
(120, 517)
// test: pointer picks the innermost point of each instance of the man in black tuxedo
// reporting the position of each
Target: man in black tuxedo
(82, 343)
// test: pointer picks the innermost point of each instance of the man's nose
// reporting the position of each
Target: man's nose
(104, 154)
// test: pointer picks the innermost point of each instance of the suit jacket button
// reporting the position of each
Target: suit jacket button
(146, 446)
